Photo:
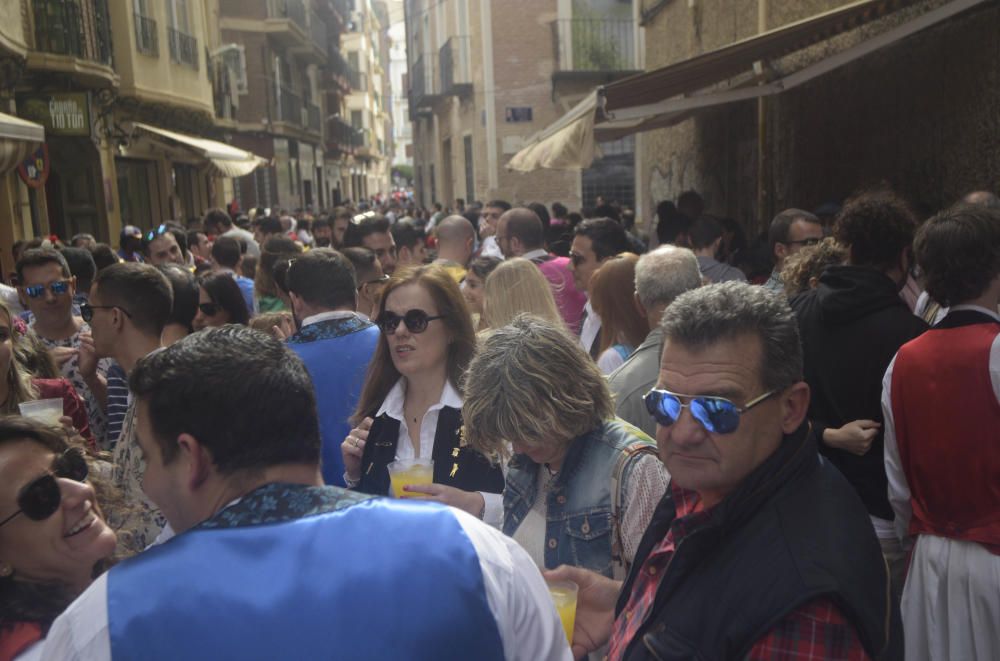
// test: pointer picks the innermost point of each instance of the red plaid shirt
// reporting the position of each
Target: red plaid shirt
(814, 631)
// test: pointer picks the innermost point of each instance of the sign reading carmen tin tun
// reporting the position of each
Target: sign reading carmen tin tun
(62, 113)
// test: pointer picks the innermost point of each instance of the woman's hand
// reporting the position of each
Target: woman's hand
(353, 448)
(468, 501)
(595, 606)
(283, 330)
(855, 437)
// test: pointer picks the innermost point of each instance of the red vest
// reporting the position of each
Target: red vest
(948, 432)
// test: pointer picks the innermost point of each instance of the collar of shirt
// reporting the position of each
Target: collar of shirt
(394, 401)
(538, 252)
(326, 316)
(977, 308)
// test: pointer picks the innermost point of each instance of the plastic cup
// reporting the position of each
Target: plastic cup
(410, 471)
(564, 597)
(44, 410)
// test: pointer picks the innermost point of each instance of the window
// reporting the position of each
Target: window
(146, 41)
(357, 120)
(177, 13)
(233, 57)
(470, 187)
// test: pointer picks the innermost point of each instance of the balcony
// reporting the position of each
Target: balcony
(183, 48)
(456, 77)
(147, 41)
(358, 80)
(342, 137)
(423, 90)
(317, 31)
(313, 118)
(287, 23)
(289, 107)
(74, 29)
(338, 69)
(594, 48)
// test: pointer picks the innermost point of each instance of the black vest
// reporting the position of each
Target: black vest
(454, 466)
(792, 531)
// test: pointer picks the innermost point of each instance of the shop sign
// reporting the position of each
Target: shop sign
(34, 170)
(64, 113)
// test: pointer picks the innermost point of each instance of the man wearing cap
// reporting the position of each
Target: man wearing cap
(130, 244)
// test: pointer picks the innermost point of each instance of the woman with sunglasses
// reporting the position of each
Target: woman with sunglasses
(53, 536)
(410, 406)
(220, 302)
(17, 385)
(582, 485)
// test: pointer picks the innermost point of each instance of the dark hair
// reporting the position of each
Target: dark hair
(382, 373)
(192, 237)
(276, 249)
(185, 289)
(877, 227)
(104, 256)
(690, 198)
(543, 215)
(704, 232)
(406, 234)
(323, 277)
(959, 252)
(181, 236)
(226, 251)
(249, 266)
(782, 225)
(223, 291)
(81, 264)
(270, 225)
(524, 224)
(363, 261)
(263, 408)
(40, 257)
(142, 290)
(498, 204)
(607, 236)
(215, 217)
(321, 222)
(670, 223)
(482, 266)
(357, 231)
(559, 210)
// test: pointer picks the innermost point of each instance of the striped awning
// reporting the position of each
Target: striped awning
(18, 138)
(224, 160)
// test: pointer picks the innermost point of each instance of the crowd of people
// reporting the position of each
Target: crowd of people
(770, 449)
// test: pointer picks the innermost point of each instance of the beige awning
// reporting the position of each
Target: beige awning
(668, 95)
(225, 160)
(18, 138)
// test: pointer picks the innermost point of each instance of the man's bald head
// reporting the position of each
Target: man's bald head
(519, 231)
(982, 198)
(456, 239)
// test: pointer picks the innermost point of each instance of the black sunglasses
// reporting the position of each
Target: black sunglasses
(209, 309)
(40, 498)
(416, 321)
(87, 310)
(805, 242)
(716, 414)
(576, 258)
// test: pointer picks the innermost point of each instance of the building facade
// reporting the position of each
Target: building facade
(485, 76)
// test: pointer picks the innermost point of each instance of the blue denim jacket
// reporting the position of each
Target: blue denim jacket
(579, 529)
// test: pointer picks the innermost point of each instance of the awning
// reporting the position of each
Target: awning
(671, 94)
(18, 138)
(225, 160)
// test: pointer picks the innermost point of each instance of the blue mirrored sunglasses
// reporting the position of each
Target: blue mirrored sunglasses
(57, 288)
(717, 414)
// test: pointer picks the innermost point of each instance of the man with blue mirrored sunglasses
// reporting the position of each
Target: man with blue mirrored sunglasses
(758, 538)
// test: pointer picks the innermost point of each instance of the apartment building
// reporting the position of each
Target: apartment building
(485, 76)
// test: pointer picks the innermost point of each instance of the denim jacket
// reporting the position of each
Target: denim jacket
(579, 529)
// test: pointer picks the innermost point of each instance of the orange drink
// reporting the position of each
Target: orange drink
(564, 597)
(410, 471)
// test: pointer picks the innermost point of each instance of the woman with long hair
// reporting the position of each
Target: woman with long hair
(612, 295)
(220, 302)
(473, 286)
(53, 536)
(516, 287)
(410, 407)
(276, 250)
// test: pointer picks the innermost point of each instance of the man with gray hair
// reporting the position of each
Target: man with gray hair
(660, 277)
(760, 549)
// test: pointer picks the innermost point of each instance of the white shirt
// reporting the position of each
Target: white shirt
(533, 254)
(325, 316)
(393, 407)
(253, 249)
(591, 327)
(899, 489)
(529, 627)
(491, 248)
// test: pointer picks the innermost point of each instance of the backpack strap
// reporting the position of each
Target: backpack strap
(619, 566)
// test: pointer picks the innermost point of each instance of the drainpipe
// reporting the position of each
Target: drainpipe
(765, 184)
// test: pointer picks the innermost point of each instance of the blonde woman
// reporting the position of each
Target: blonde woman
(515, 287)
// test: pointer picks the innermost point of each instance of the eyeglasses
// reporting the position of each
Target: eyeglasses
(805, 242)
(162, 229)
(717, 414)
(87, 310)
(40, 498)
(57, 288)
(377, 281)
(576, 258)
(209, 309)
(416, 321)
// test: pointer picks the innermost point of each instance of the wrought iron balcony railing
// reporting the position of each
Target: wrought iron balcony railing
(585, 44)
(183, 48)
(147, 41)
(80, 29)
